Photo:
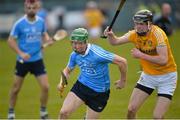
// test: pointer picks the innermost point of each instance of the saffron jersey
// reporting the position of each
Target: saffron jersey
(148, 44)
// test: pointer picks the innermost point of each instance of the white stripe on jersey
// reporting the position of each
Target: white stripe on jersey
(100, 53)
(16, 23)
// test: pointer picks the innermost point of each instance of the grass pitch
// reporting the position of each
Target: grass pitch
(56, 58)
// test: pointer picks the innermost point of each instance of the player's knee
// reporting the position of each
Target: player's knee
(132, 109)
(64, 113)
(45, 88)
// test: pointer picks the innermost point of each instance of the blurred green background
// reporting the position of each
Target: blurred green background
(56, 58)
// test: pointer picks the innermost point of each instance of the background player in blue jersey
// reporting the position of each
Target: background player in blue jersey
(26, 38)
(41, 11)
(93, 85)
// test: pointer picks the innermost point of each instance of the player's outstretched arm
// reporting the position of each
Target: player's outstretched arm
(113, 39)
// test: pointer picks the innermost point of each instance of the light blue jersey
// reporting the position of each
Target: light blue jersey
(29, 36)
(42, 13)
(94, 67)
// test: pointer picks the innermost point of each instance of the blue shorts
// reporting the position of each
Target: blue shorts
(37, 68)
(95, 100)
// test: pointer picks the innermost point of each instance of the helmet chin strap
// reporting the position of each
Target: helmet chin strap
(149, 26)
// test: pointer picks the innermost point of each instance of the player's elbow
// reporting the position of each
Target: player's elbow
(163, 61)
(123, 63)
(120, 61)
(9, 41)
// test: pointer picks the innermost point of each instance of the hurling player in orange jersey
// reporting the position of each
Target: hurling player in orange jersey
(159, 68)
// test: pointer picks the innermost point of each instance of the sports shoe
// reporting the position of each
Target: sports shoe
(11, 116)
(44, 115)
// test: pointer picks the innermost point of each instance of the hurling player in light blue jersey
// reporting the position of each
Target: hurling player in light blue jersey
(41, 11)
(93, 85)
(26, 38)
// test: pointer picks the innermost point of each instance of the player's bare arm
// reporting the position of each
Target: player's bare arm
(67, 72)
(113, 39)
(160, 59)
(12, 43)
(122, 65)
(47, 39)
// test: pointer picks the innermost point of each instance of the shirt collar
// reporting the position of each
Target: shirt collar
(87, 50)
(31, 22)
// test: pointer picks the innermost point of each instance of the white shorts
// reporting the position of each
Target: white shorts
(165, 84)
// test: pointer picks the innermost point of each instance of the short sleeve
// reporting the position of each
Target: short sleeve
(131, 35)
(104, 56)
(15, 30)
(72, 62)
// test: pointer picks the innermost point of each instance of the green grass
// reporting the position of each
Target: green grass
(56, 58)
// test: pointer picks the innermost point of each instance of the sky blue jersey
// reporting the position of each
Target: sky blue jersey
(29, 36)
(42, 13)
(94, 71)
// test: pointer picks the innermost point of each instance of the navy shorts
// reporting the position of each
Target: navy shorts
(37, 68)
(95, 100)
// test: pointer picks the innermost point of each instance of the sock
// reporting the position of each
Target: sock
(43, 108)
(11, 110)
(43, 113)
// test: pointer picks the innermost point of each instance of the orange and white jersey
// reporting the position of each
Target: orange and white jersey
(148, 44)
